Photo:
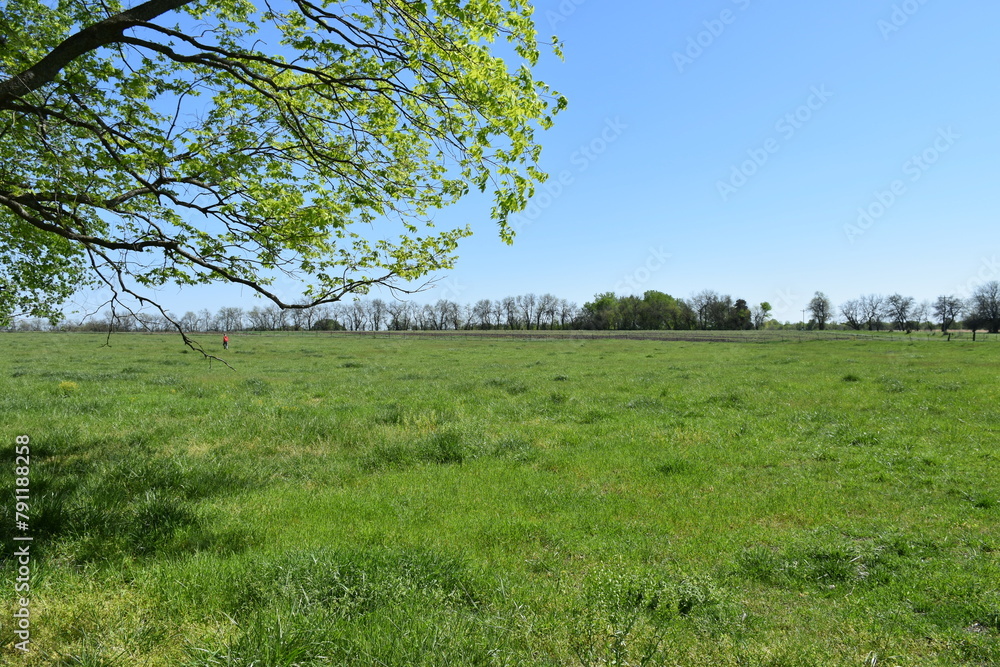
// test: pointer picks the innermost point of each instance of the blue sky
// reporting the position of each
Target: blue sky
(730, 145)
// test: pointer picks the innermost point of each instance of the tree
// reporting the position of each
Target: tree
(567, 311)
(821, 309)
(759, 314)
(900, 309)
(498, 313)
(602, 312)
(921, 313)
(377, 312)
(984, 306)
(399, 315)
(510, 311)
(740, 316)
(230, 318)
(174, 141)
(482, 312)
(853, 314)
(873, 310)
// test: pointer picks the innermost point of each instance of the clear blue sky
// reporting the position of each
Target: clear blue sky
(740, 138)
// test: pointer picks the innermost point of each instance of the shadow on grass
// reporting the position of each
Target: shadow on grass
(103, 498)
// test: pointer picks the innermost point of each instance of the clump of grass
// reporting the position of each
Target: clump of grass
(512, 387)
(558, 397)
(851, 377)
(825, 560)
(644, 403)
(257, 387)
(444, 448)
(517, 449)
(675, 466)
(390, 414)
(66, 387)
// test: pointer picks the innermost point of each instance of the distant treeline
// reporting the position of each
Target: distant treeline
(706, 310)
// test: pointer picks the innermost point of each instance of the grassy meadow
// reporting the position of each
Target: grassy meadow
(448, 501)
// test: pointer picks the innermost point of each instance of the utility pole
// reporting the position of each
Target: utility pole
(803, 318)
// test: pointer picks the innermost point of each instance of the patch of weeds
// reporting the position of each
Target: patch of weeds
(352, 364)
(561, 378)
(626, 615)
(851, 377)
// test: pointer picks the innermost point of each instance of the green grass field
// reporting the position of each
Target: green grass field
(389, 501)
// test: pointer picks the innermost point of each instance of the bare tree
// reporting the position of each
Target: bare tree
(498, 313)
(900, 309)
(546, 309)
(526, 304)
(356, 315)
(428, 317)
(984, 306)
(481, 313)
(567, 312)
(510, 311)
(873, 310)
(853, 314)
(377, 312)
(230, 318)
(400, 315)
(189, 321)
(921, 313)
(275, 318)
(205, 319)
